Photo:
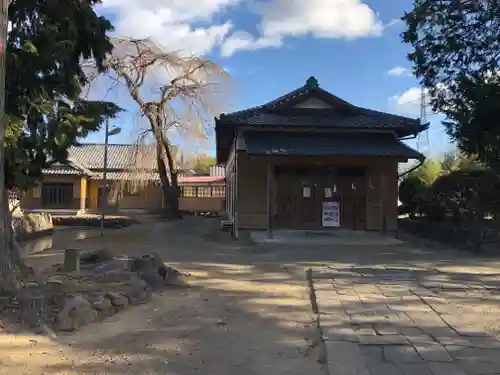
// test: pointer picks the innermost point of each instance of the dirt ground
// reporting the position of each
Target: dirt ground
(244, 313)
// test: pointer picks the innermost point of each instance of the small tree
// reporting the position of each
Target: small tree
(174, 94)
(428, 172)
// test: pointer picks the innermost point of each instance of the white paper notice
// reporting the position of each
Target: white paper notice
(331, 214)
(306, 192)
(328, 193)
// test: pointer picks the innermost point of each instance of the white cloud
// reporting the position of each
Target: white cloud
(407, 103)
(394, 22)
(399, 71)
(339, 19)
(242, 40)
(170, 22)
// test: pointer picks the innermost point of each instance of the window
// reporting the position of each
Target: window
(204, 191)
(188, 191)
(218, 191)
(57, 195)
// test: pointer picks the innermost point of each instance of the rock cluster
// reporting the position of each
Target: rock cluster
(115, 283)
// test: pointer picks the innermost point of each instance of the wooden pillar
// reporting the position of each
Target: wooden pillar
(383, 203)
(269, 199)
(83, 194)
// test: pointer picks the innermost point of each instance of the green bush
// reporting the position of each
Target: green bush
(412, 191)
(462, 195)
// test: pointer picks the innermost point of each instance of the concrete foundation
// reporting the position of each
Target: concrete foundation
(324, 237)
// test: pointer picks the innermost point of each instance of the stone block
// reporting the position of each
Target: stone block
(72, 260)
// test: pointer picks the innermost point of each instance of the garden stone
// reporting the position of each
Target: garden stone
(54, 281)
(117, 299)
(77, 312)
(149, 268)
(72, 260)
(138, 291)
(102, 304)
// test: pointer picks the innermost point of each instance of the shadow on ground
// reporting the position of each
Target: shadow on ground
(247, 310)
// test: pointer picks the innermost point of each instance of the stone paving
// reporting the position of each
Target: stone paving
(380, 320)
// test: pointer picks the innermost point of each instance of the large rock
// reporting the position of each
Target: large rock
(112, 271)
(77, 312)
(103, 305)
(138, 291)
(148, 267)
(118, 300)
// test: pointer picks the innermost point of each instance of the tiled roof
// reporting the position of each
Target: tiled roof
(120, 156)
(280, 112)
(332, 120)
(318, 144)
(88, 159)
(126, 176)
(69, 167)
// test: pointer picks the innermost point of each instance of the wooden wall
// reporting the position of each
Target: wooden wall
(252, 187)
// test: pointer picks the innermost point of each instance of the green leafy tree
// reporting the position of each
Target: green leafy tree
(455, 55)
(414, 186)
(45, 112)
(428, 172)
(454, 161)
(202, 164)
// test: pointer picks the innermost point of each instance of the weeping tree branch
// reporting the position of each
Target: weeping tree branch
(176, 95)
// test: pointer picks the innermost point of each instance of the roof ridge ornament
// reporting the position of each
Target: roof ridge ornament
(312, 82)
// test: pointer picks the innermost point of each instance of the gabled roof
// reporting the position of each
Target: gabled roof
(285, 113)
(282, 111)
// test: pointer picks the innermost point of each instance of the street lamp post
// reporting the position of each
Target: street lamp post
(104, 193)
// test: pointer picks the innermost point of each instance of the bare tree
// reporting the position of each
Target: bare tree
(175, 94)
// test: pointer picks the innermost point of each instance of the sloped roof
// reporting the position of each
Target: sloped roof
(283, 113)
(58, 168)
(317, 144)
(120, 156)
(88, 159)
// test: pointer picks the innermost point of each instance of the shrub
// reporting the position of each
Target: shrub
(460, 195)
(412, 191)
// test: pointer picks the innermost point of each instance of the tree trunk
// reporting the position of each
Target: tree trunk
(162, 171)
(10, 259)
(173, 205)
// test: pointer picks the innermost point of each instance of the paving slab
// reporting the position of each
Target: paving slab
(417, 316)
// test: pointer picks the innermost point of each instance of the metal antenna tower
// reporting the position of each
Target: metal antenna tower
(423, 137)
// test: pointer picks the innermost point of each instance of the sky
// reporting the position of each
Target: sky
(270, 47)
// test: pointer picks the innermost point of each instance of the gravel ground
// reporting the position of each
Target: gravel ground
(243, 313)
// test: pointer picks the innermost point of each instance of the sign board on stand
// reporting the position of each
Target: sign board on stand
(331, 214)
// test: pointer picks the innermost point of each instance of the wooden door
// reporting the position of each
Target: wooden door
(298, 203)
(300, 193)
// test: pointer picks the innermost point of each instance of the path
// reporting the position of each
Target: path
(402, 311)
(243, 315)
(384, 310)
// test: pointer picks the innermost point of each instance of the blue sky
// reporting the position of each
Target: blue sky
(270, 47)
